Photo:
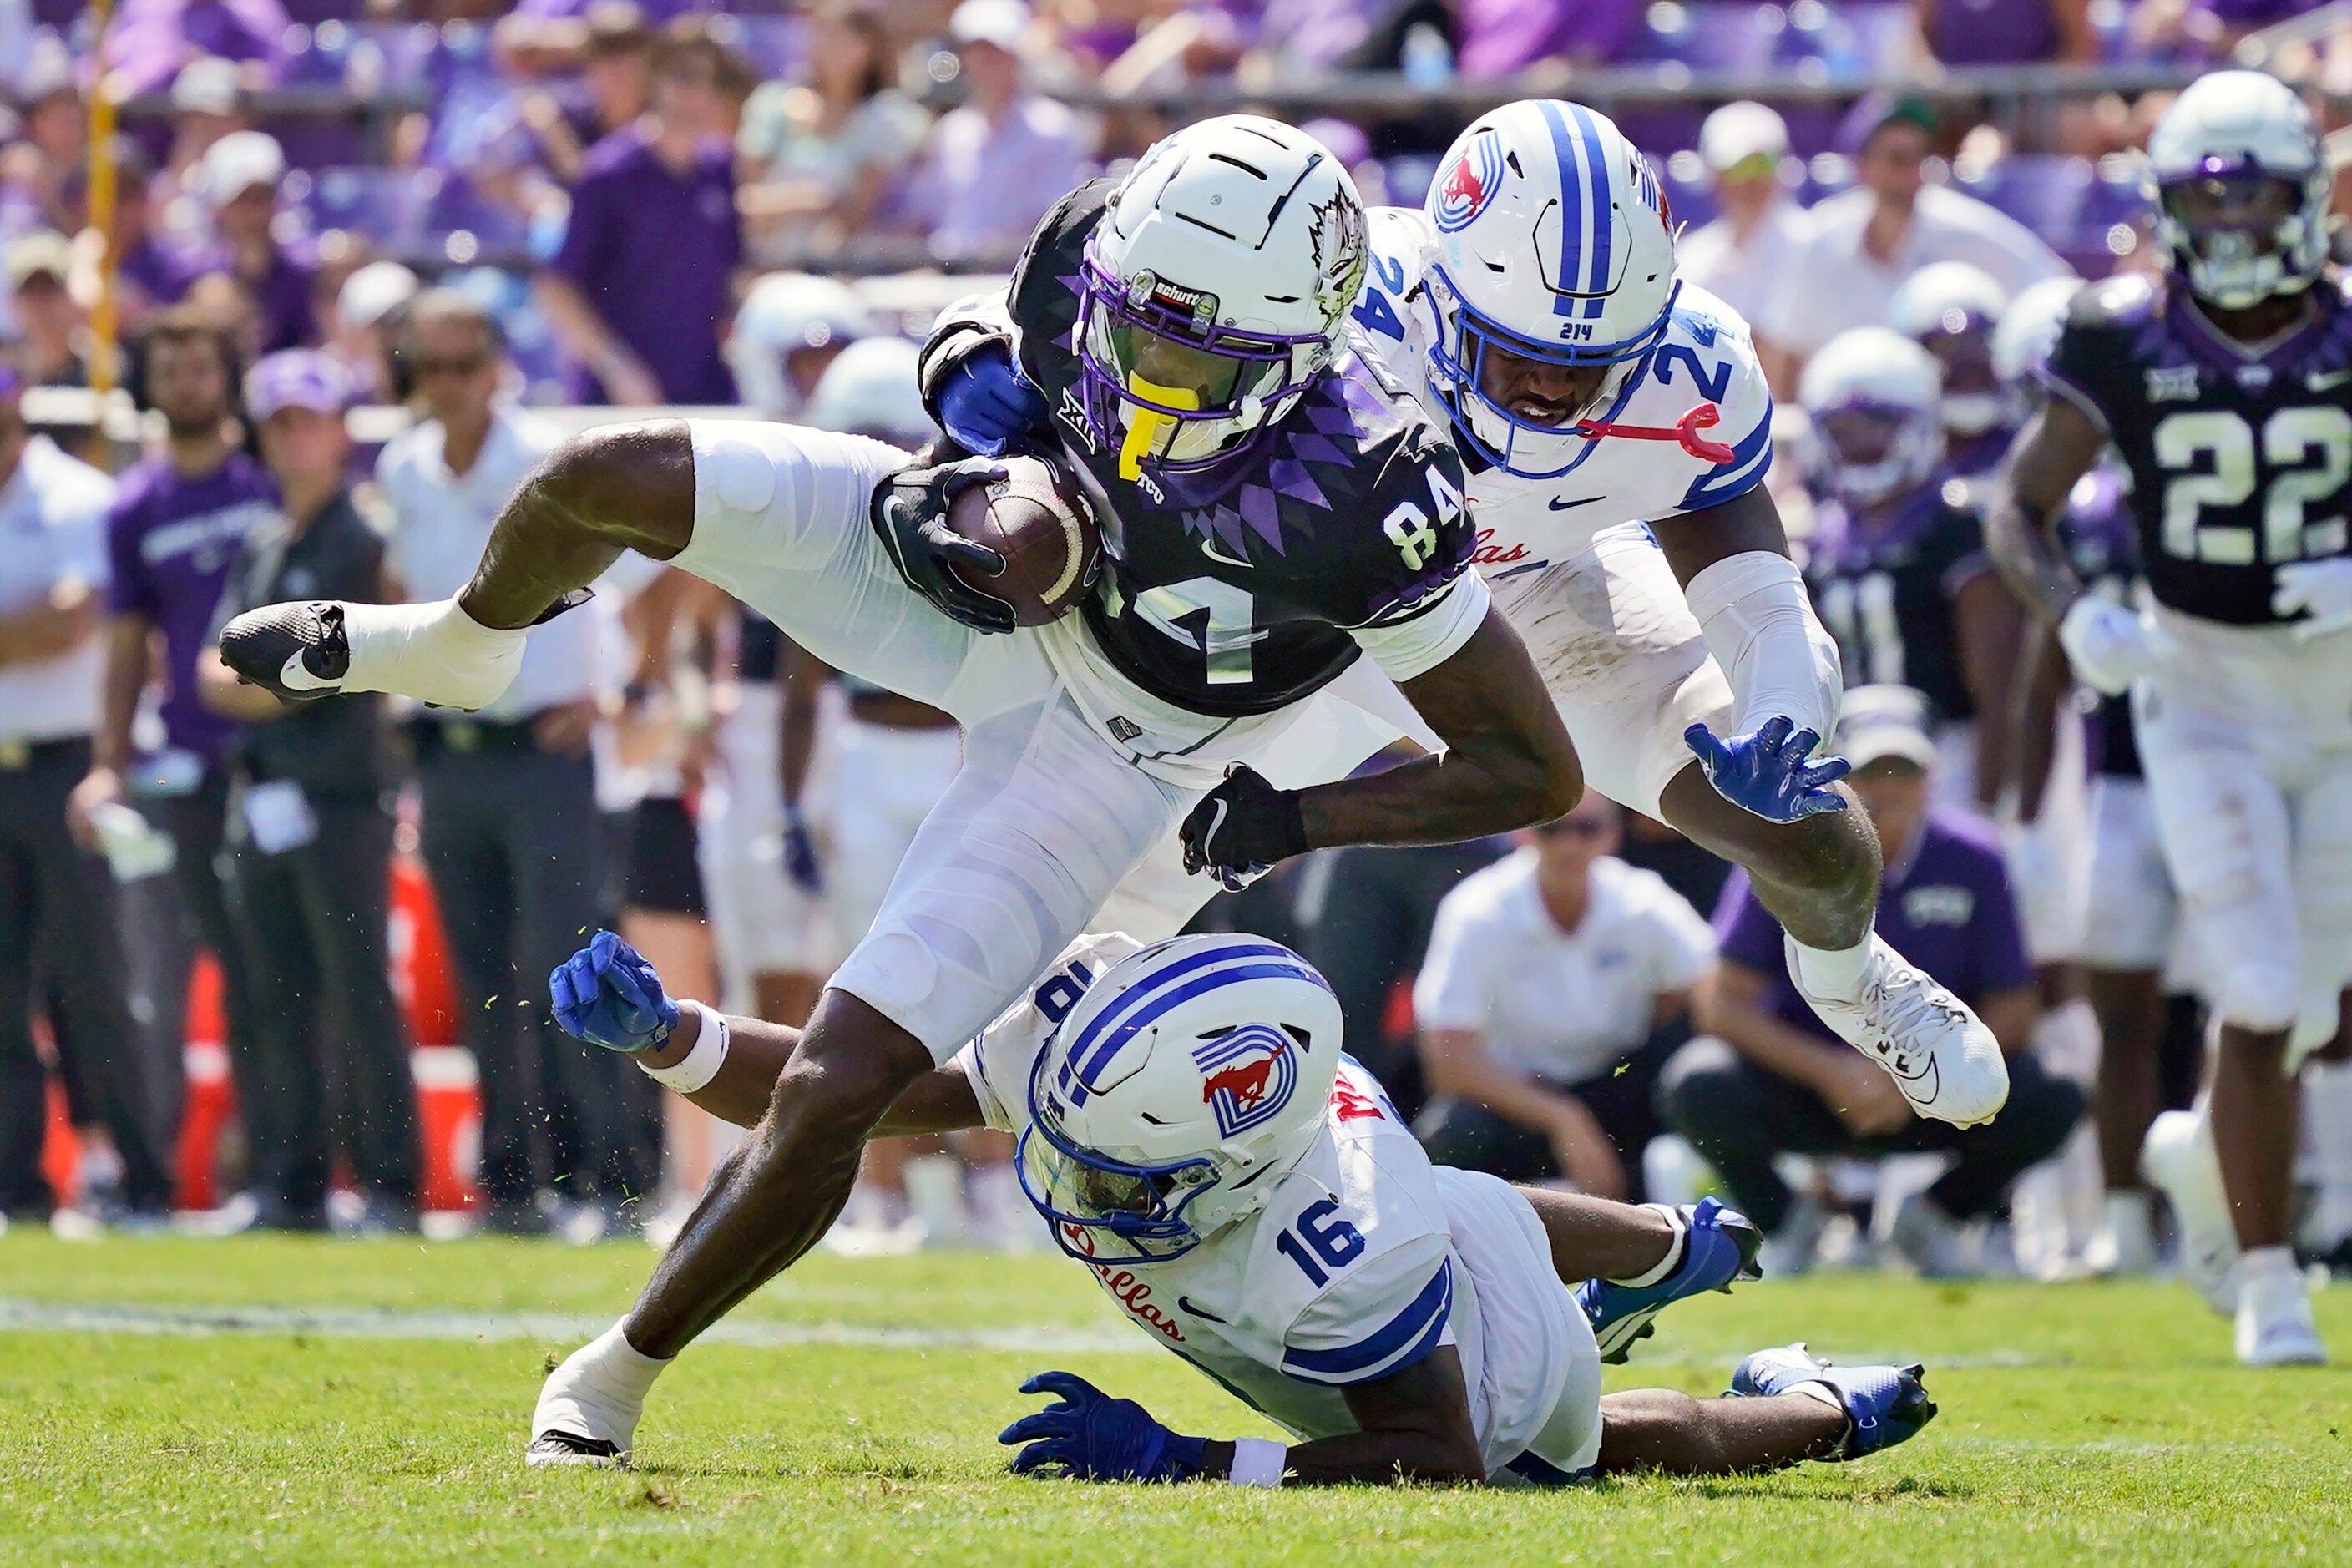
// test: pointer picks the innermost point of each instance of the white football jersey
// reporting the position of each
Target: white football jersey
(1524, 525)
(1363, 1258)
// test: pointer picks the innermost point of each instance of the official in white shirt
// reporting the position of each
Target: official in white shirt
(1737, 257)
(58, 931)
(511, 834)
(1552, 995)
(1860, 245)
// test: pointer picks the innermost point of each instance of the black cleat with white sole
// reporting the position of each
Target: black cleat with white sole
(296, 652)
(553, 1448)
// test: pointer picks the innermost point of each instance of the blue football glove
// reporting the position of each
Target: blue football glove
(801, 863)
(986, 404)
(1767, 772)
(608, 995)
(1094, 1437)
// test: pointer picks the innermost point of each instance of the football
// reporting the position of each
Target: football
(1039, 521)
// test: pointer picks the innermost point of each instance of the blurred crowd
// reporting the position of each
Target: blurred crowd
(694, 198)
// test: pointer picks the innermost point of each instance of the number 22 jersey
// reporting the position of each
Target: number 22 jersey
(1363, 1260)
(2241, 456)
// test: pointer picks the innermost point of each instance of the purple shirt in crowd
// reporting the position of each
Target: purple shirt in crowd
(157, 271)
(281, 296)
(151, 39)
(1946, 907)
(1500, 36)
(653, 252)
(1993, 31)
(172, 540)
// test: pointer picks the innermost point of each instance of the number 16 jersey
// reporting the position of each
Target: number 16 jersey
(2241, 456)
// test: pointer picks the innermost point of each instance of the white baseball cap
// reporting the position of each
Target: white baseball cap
(374, 292)
(1879, 721)
(240, 161)
(1003, 23)
(206, 86)
(1741, 131)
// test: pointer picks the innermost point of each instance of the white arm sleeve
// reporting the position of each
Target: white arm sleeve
(1760, 625)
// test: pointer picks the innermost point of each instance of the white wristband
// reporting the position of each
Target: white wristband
(700, 1065)
(1258, 1462)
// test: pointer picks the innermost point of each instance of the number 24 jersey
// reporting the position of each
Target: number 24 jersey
(2240, 457)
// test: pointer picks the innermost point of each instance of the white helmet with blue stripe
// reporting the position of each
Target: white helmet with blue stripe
(1554, 245)
(1186, 1078)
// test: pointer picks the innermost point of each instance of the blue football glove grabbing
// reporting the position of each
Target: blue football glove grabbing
(608, 995)
(986, 404)
(801, 862)
(1094, 1437)
(1767, 772)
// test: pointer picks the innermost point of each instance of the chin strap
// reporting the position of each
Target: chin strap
(1684, 431)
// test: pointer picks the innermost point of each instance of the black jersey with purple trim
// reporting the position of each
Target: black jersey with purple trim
(1887, 588)
(2102, 545)
(2241, 456)
(1232, 590)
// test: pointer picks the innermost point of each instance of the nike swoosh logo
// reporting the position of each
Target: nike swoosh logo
(1209, 837)
(1186, 1303)
(1561, 503)
(2322, 382)
(1209, 548)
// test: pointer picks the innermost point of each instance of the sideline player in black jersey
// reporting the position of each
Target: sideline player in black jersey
(2227, 388)
(1898, 566)
(1085, 744)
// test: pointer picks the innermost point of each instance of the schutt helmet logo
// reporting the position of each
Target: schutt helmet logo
(1247, 1077)
(1470, 184)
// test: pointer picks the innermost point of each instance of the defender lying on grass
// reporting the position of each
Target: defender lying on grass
(1192, 1132)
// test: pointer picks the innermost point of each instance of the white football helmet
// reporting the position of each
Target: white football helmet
(1216, 290)
(869, 389)
(2029, 328)
(1871, 394)
(1187, 1074)
(1554, 243)
(2241, 187)
(1951, 309)
(789, 327)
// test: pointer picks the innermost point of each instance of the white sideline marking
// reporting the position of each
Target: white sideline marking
(378, 1323)
(564, 1328)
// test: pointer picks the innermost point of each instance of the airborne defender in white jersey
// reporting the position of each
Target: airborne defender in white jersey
(1192, 1132)
(1533, 302)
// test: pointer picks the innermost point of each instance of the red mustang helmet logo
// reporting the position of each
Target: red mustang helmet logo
(1246, 1082)
(1462, 185)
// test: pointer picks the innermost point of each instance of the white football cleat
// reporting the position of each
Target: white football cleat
(1936, 1050)
(588, 1407)
(2178, 1159)
(2274, 1327)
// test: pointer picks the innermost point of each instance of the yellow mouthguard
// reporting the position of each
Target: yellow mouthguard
(1144, 426)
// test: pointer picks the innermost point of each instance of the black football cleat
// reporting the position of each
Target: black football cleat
(267, 647)
(553, 1448)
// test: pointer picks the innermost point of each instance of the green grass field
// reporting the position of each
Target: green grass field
(172, 1400)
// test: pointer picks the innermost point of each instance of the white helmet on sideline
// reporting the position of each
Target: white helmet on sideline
(2241, 188)
(870, 389)
(2030, 327)
(1951, 309)
(1186, 1075)
(1872, 394)
(1554, 244)
(789, 314)
(1216, 287)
